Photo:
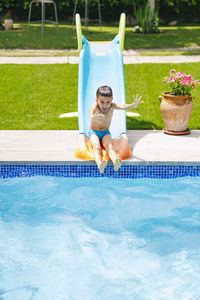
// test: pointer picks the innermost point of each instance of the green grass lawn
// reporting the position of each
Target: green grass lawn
(172, 37)
(38, 53)
(162, 52)
(33, 96)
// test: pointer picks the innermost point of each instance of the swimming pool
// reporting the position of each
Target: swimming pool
(66, 233)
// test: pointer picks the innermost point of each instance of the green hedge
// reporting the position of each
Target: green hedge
(187, 11)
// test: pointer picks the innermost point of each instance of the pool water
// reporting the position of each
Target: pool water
(99, 239)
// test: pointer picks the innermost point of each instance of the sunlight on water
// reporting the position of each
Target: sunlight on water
(99, 239)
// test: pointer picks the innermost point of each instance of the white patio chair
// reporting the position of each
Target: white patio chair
(43, 20)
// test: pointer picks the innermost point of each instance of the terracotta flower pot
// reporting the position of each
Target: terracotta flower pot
(8, 24)
(176, 111)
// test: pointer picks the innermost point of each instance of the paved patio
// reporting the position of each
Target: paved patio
(129, 59)
(58, 146)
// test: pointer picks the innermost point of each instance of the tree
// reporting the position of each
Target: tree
(147, 15)
(152, 8)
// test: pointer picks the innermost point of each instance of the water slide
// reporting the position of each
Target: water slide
(101, 63)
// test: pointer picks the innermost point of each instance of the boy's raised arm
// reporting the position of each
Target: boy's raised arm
(136, 102)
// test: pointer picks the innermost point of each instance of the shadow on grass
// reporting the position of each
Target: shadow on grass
(65, 39)
(170, 38)
(133, 123)
(191, 52)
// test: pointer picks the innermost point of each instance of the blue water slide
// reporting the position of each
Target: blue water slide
(101, 63)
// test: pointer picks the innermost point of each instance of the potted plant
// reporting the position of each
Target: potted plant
(176, 105)
(8, 22)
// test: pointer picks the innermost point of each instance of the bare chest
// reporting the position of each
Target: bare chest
(102, 120)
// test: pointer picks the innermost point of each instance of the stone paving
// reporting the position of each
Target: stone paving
(75, 59)
(130, 57)
(148, 146)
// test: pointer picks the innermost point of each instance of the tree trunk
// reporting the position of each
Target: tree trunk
(152, 6)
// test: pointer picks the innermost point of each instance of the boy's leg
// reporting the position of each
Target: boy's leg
(107, 142)
(97, 153)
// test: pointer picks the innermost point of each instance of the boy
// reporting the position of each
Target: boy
(101, 113)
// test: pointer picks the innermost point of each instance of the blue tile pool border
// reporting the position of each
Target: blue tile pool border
(133, 171)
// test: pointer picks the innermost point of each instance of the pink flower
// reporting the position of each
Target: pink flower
(180, 83)
(189, 78)
(182, 74)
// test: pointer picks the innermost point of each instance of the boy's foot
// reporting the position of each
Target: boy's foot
(117, 164)
(102, 166)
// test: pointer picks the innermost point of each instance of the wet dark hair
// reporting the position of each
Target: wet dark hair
(104, 91)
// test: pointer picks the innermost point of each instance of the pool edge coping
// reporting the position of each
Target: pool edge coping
(86, 162)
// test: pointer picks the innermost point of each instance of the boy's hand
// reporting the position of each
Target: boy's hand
(136, 100)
